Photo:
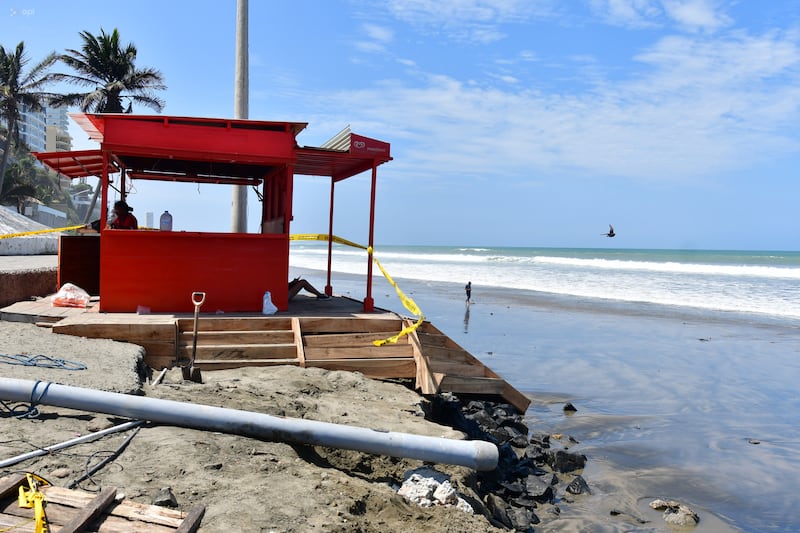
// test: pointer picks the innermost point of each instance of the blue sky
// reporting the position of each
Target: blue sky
(512, 123)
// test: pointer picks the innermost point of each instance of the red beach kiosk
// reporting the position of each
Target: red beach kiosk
(161, 269)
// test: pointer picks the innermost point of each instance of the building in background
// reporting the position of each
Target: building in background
(32, 128)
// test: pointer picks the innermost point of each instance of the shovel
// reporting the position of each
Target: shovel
(190, 372)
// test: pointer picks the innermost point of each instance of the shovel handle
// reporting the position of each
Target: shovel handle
(198, 298)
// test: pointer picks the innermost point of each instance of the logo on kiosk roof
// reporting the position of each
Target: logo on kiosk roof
(359, 144)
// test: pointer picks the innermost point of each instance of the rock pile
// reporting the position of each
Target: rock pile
(535, 472)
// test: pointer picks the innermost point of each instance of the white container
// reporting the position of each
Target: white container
(267, 307)
(165, 224)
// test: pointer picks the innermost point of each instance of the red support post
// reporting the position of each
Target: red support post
(369, 303)
(328, 286)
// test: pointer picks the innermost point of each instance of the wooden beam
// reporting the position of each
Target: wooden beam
(315, 325)
(89, 512)
(351, 339)
(192, 520)
(224, 364)
(237, 337)
(214, 323)
(373, 368)
(298, 341)
(241, 351)
(359, 352)
(10, 484)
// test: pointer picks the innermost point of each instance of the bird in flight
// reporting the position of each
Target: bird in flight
(610, 231)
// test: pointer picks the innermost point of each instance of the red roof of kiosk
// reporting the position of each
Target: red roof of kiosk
(210, 150)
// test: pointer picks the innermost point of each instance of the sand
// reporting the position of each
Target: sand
(244, 483)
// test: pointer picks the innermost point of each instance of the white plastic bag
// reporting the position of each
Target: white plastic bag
(267, 307)
(70, 295)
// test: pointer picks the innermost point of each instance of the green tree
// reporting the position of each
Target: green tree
(109, 69)
(17, 89)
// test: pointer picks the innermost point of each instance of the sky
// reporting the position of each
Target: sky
(511, 122)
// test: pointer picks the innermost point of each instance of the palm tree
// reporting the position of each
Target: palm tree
(18, 89)
(107, 67)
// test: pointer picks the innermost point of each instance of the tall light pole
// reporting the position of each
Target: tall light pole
(241, 111)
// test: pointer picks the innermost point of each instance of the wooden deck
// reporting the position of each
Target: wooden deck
(77, 510)
(334, 334)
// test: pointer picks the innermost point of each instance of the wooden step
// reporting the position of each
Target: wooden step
(223, 364)
(317, 325)
(358, 352)
(373, 368)
(237, 337)
(240, 351)
(235, 323)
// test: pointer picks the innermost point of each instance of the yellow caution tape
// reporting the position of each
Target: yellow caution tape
(408, 303)
(37, 232)
(33, 498)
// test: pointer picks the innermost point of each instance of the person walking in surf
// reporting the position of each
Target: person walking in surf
(468, 290)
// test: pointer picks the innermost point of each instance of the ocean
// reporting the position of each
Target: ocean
(683, 364)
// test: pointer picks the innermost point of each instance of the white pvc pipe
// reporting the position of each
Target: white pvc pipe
(478, 455)
(72, 442)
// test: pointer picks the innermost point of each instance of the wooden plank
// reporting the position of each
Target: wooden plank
(215, 364)
(237, 337)
(9, 485)
(516, 398)
(90, 511)
(472, 385)
(373, 368)
(447, 354)
(359, 352)
(159, 362)
(351, 339)
(458, 369)
(129, 331)
(236, 324)
(157, 349)
(298, 341)
(241, 351)
(315, 325)
(16, 524)
(191, 522)
(127, 509)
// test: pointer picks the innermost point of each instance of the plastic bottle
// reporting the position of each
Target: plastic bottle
(267, 307)
(165, 224)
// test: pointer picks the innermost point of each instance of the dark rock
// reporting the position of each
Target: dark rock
(521, 518)
(563, 461)
(165, 498)
(540, 439)
(537, 454)
(524, 501)
(578, 486)
(499, 509)
(514, 488)
(569, 408)
(539, 489)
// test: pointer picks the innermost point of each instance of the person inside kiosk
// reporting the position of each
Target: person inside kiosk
(123, 217)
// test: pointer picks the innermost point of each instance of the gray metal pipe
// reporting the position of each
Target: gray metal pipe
(478, 455)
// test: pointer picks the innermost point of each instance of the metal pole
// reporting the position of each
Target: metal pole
(478, 455)
(241, 111)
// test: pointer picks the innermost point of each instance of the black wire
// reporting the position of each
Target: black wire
(105, 461)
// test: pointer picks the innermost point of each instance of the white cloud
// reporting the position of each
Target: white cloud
(468, 20)
(701, 108)
(688, 15)
(696, 14)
